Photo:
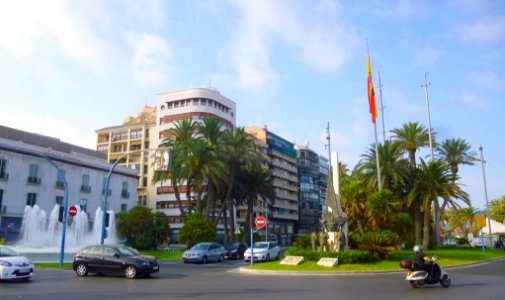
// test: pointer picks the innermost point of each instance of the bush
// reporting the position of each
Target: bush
(302, 241)
(380, 243)
(197, 229)
(461, 241)
(344, 257)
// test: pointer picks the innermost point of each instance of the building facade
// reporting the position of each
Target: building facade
(196, 104)
(282, 164)
(313, 175)
(28, 177)
(130, 142)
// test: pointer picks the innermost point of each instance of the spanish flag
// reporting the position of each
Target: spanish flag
(371, 94)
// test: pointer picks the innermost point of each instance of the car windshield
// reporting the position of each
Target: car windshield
(261, 245)
(127, 251)
(4, 252)
(233, 246)
(200, 247)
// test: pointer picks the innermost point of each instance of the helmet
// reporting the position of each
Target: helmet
(418, 248)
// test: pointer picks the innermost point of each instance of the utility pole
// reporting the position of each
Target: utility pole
(425, 85)
(328, 144)
(482, 162)
(382, 109)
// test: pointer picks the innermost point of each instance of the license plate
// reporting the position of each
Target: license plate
(156, 268)
(26, 270)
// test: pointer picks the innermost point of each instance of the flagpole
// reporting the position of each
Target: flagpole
(382, 109)
(379, 180)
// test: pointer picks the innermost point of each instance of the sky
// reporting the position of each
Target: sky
(68, 68)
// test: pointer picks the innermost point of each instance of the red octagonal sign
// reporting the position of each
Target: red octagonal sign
(72, 211)
(260, 222)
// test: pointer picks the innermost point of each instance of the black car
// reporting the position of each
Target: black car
(114, 259)
(236, 250)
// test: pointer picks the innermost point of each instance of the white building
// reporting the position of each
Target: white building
(194, 103)
(28, 177)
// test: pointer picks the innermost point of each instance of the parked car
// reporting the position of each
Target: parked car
(235, 250)
(114, 259)
(204, 252)
(14, 266)
(264, 251)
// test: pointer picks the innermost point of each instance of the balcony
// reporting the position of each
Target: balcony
(286, 216)
(85, 189)
(34, 180)
(125, 194)
(4, 176)
(60, 184)
(109, 192)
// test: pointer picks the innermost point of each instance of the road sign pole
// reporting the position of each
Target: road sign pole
(252, 241)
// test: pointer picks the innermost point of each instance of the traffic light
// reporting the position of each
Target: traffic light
(107, 219)
(60, 214)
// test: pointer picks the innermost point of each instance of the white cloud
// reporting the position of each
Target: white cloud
(473, 101)
(153, 61)
(485, 30)
(320, 38)
(50, 126)
(427, 57)
(491, 81)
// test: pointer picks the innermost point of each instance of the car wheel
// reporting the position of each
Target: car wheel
(130, 272)
(205, 260)
(81, 270)
(278, 256)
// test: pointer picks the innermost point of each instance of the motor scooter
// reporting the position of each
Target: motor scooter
(418, 277)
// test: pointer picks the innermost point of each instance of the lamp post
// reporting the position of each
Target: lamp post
(482, 162)
(65, 209)
(168, 159)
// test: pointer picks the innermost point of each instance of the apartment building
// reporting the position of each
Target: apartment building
(194, 103)
(313, 177)
(283, 167)
(28, 176)
(130, 142)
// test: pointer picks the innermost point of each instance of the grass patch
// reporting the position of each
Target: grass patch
(163, 255)
(66, 266)
(446, 258)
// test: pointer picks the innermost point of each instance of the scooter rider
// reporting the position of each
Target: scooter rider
(421, 261)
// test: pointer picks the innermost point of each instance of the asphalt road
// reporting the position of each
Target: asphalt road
(224, 281)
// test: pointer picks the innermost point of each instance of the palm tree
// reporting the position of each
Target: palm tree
(242, 153)
(253, 183)
(393, 168)
(181, 141)
(411, 137)
(454, 152)
(434, 180)
(353, 200)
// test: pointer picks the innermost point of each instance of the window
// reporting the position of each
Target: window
(33, 177)
(60, 182)
(104, 181)
(124, 191)
(109, 252)
(83, 203)
(59, 200)
(3, 173)
(31, 199)
(1, 199)
(136, 134)
(124, 207)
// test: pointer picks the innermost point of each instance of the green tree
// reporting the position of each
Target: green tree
(497, 209)
(197, 229)
(141, 228)
(454, 152)
(434, 180)
(461, 220)
(411, 137)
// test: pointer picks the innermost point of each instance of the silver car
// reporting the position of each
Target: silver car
(204, 252)
(14, 266)
(264, 251)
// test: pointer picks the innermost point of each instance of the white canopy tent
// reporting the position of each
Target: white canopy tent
(496, 228)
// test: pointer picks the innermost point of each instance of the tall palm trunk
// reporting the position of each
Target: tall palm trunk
(427, 225)
(179, 202)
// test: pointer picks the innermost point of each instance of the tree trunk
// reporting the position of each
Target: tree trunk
(427, 225)
(179, 202)
(417, 225)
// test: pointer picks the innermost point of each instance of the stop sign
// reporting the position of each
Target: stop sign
(260, 222)
(72, 210)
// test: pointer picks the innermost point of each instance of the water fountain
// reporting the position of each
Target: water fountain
(41, 235)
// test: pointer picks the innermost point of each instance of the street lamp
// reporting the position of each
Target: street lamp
(482, 162)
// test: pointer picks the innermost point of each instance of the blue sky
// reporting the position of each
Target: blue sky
(71, 67)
